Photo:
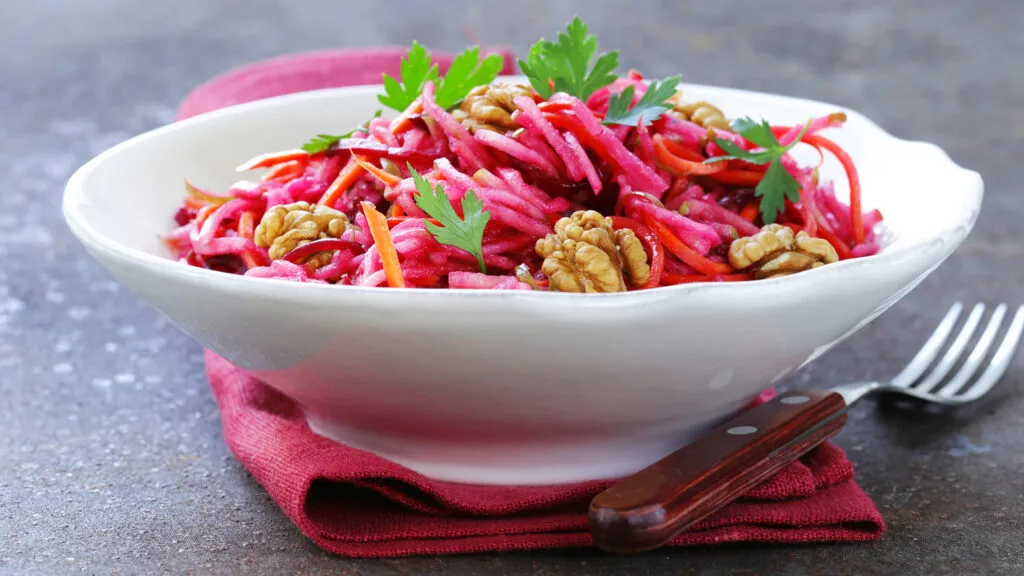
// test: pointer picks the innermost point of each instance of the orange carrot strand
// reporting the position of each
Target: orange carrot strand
(404, 120)
(679, 150)
(246, 229)
(385, 244)
(195, 203)
(247, 224)
(679, 164)
(203, 214)
(856, 216)
(386, 177)
(738, 177)
(285, 171)
(346, 178)
(396, 220)
(272, 159)
(688, 255)
(749, 212)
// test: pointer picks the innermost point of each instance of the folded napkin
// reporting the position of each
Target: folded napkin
(354, 503)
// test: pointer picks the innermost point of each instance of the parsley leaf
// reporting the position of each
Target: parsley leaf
(777, 184)
(465, 73)
(467, 232)
(567, 63)
(416, 69)
(648, 107)
(775, 187)
(757, 133)
(322, 142)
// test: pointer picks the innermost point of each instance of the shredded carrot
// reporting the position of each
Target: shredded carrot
(688, 255)
(396, 220)
(387, 178)
(203, 214)
(195, 203)
(205, 197)
(554, 106)
(285, 171)
(842, 250)
(346, 178)
(268, 160)
(738, 177)
(679, 164)
(679, 150)
(856, 217)
(396, 210)
(404, 120)
(749, 212)
(810, 224)
(385, 244)
(246, 229)
(247, 224)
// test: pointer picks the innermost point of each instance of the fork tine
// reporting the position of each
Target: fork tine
(1000, 360)
(977, 356)
(931, 348)
(949, 360)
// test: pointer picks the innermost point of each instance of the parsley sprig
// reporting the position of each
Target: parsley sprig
(648, 107)
(467, 71)
(566, 64)
(322, 142)
(777, 184)
(416, 69)
(467, 232)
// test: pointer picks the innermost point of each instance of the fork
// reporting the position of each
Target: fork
(649, 508)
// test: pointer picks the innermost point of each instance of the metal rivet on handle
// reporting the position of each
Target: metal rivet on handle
(794, 399)
(741, 430)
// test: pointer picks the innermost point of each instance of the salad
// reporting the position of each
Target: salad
(581, 180)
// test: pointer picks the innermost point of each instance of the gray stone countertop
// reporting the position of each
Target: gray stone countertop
(111, 454)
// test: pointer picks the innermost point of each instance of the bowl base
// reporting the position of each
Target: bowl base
(513, 464)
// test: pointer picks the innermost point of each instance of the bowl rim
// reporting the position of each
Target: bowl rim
(96, 241)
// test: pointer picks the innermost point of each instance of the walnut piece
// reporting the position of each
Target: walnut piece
(634, 258)
(702, 113)
(586, 255)
(774, 251)
(490, 107)
(286, 227)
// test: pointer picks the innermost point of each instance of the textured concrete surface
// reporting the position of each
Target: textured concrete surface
(111, 456)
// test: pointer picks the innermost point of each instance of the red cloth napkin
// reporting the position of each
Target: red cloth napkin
(354, 503)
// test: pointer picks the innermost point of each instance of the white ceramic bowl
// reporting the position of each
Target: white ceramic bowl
(510, 387)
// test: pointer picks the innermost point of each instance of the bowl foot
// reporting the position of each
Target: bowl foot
(511, 464)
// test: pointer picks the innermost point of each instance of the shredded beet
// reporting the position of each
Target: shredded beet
(562, 158)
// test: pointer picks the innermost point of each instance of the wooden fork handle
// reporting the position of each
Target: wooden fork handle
(648, 509)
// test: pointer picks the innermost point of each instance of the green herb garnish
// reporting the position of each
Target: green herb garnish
(777, 184)
(565, 64)
(322, 142)
(467, 232)
(466, 72)
(648, 107)
(416, 69)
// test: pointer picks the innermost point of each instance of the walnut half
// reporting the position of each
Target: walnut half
(490, 107)
(774, 251)
(286, 227)
(703, 114)
(586, 255)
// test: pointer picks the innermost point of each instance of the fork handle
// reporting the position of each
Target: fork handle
(649, 508)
